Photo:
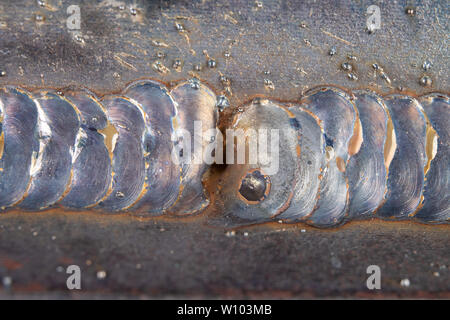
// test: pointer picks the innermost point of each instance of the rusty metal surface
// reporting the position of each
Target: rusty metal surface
(275, 48)
(161, 258)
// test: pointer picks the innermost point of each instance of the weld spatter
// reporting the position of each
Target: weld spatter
(254, 187)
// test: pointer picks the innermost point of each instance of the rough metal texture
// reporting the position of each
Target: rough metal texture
(286, 42)
(185, 259)
(276, 48)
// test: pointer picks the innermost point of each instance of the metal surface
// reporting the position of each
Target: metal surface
(273, 48)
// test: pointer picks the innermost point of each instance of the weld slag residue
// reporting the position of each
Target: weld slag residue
(342, 155)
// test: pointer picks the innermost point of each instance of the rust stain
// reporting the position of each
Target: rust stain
(10, 264)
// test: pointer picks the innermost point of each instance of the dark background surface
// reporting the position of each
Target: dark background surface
(286, 42)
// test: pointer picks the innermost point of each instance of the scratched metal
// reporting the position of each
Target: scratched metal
(280, 49)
